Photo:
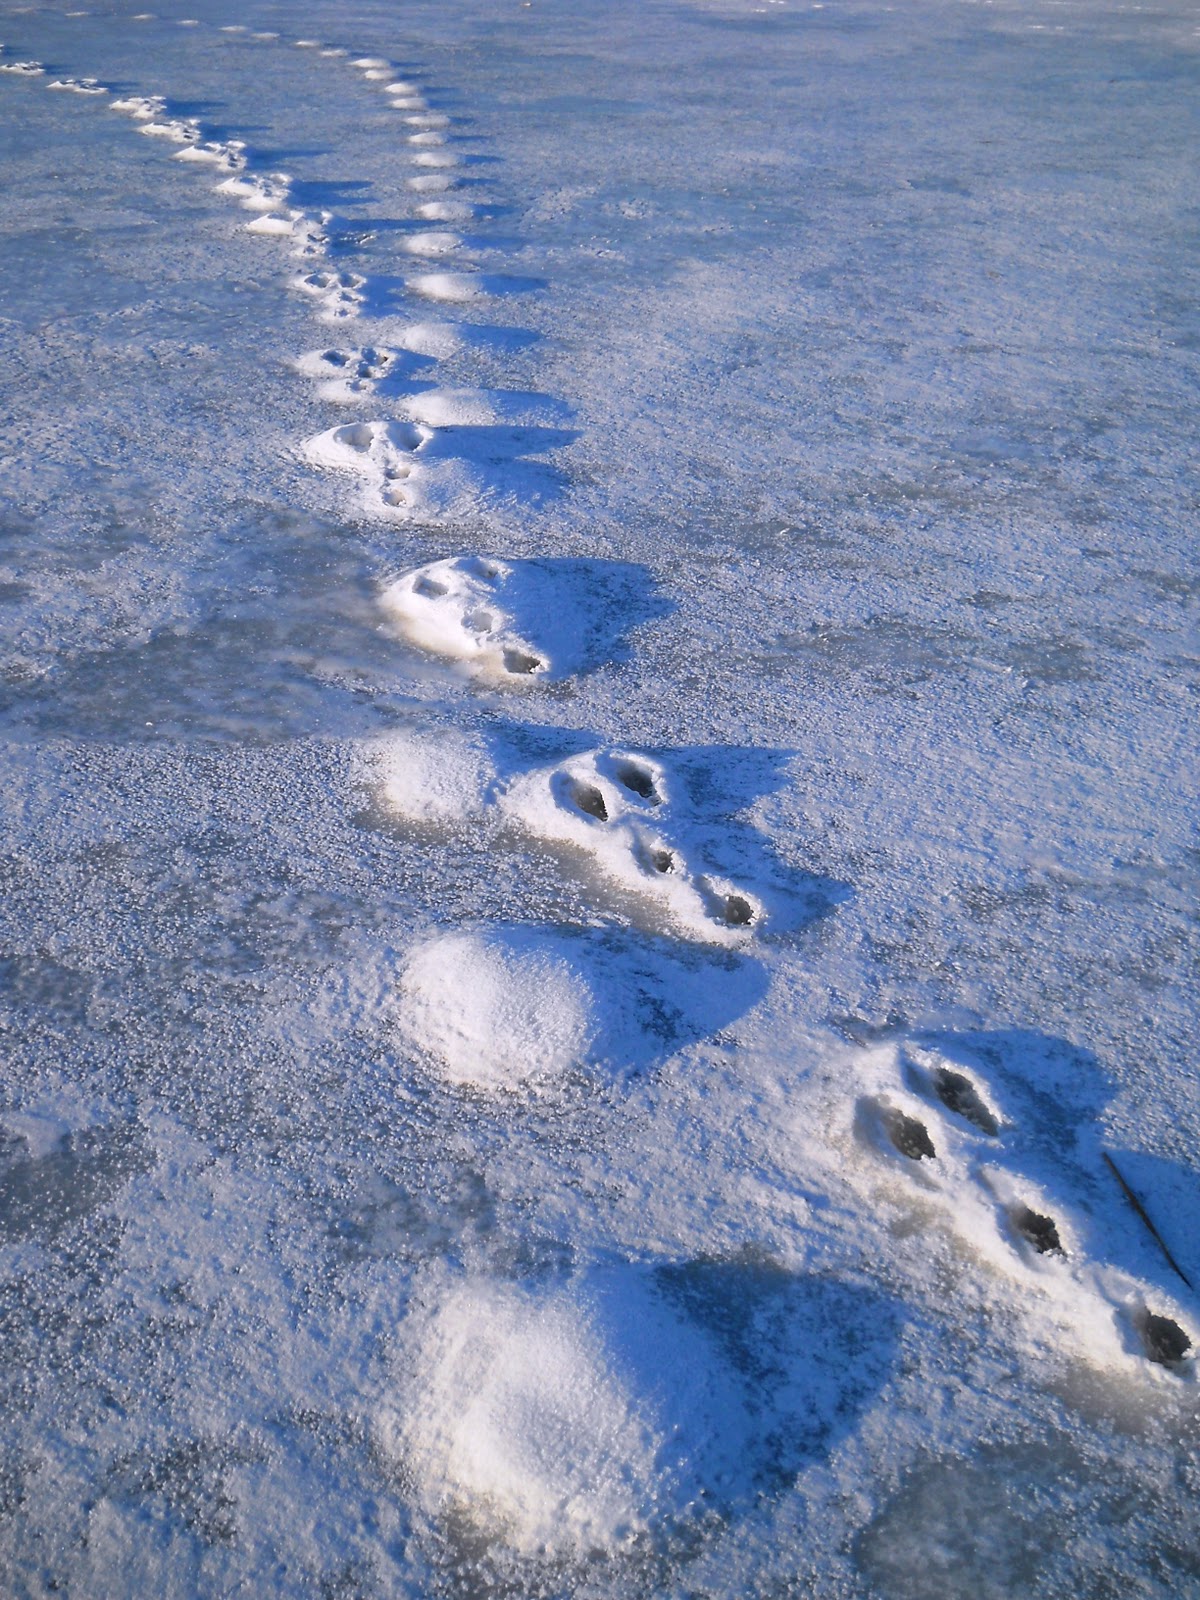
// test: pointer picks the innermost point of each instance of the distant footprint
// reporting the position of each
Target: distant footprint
(340, 294)
(78, 85)
(23, 69)
(385, 455)
(179, 130)
(141, 106)
(455, 609)
(344, 376)
(227, 155)
(260, 191)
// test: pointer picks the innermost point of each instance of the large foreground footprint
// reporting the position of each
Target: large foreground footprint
(940, 1128)
(611, 808)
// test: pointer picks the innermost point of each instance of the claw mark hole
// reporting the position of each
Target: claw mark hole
(1037, 1230)
(910, 1137)
(638, 781)
(1163, 1340)
(522, 665)
(588, 798)
(739, 913)
(430, 587)
(958, 1094)
(662, 860)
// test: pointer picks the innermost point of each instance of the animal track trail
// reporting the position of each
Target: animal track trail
(938, 1128)
(611, 806)
(270, 195)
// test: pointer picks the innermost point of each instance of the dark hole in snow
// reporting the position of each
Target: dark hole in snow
(335, 358)
(638, 781)
(739, 913)
(1037, 1230)
(910, 1137)
(589, 799)
(958, 1094)
(430, 587)
(1164, 1341)
(663, 860)
(517, 661)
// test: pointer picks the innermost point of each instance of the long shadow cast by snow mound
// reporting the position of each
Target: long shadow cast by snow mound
(481, 1006)
(624, 1389)
(810, 1350)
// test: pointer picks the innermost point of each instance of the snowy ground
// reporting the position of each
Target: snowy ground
(599, 762)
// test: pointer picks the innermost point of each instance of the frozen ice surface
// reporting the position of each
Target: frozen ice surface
(639, 1125)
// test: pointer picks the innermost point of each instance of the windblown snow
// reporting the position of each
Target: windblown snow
(597, 936)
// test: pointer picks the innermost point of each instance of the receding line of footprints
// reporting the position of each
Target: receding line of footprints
(390, 457)
(938, 1123)
(611, 805)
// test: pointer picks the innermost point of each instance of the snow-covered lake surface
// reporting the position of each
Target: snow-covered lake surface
(599, 879)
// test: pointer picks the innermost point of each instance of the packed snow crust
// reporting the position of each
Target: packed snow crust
(597, 932)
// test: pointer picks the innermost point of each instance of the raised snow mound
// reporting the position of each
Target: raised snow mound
(494, 1013)
(570, 1419)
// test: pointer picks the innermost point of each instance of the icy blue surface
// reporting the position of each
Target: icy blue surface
(825, 376)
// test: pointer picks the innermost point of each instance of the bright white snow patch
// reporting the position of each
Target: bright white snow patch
(570, 1420)
(615, 806)
(494, 1012)
(433, 243)
(448, 285)
(436, 778)
(455, 608)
